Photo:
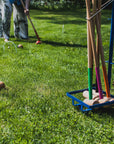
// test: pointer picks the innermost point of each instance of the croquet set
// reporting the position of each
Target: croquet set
(95, 97)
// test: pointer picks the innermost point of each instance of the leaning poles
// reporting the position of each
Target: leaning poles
(95, 50)
(91, 31)
(102, 58)
(93, 98)
(100, 50)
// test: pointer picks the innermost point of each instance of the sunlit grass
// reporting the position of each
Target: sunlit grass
(35, 108)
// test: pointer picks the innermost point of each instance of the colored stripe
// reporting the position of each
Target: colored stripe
(106, 81)
(99, 82)
(90, 82)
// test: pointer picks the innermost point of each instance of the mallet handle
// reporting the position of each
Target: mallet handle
(98, 45)
(90, 58)
(102, 58)
(30, 21)
(34, 28)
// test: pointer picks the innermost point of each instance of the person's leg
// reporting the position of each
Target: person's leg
(1, 25)
(6, 18)
(20, 22)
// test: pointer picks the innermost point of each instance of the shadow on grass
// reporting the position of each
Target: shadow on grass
(77, 12)
(62, 17)
(108, 111)
(103, 111)
(33, 40)
(62, 20)
(63, 44)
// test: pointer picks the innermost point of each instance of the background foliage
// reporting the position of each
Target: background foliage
(59, 4)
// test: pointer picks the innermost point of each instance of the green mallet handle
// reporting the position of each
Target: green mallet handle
(90, 58)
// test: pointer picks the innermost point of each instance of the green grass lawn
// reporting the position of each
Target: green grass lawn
(35, 109)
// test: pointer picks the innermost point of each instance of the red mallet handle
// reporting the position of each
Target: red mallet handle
(31, 23)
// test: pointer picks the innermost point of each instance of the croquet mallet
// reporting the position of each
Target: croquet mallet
(37, 42)
(90, 59)
(94, 51)
(102, 58)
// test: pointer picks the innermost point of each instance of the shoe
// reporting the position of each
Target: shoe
(6, 40)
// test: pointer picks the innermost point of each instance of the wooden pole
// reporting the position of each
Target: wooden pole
(90, 58)
(99, 2)
(94, 51)
(102, 57)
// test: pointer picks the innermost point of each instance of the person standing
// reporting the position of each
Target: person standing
(19, 18)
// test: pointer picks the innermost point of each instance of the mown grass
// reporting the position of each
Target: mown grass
(35, 108)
